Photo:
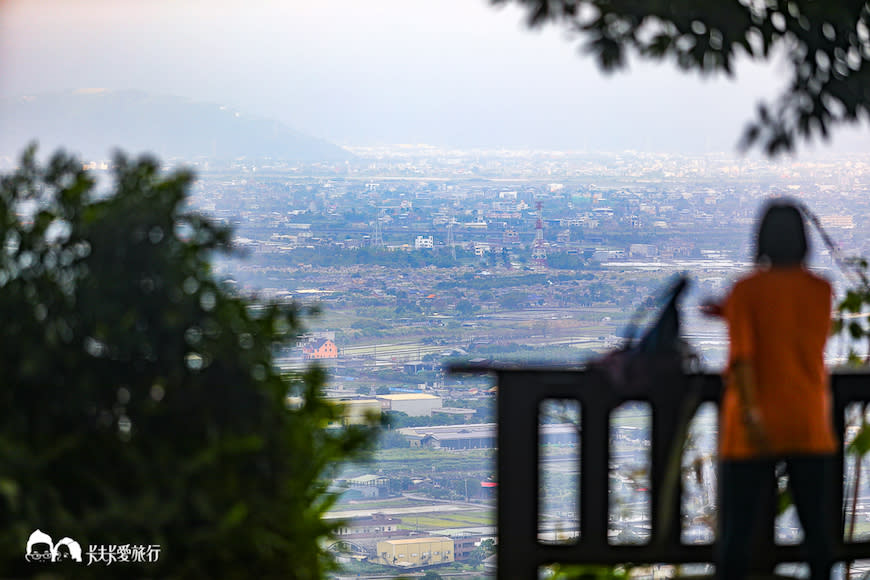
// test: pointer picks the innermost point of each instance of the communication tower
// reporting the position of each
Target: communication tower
(539, 246)
(377, 236)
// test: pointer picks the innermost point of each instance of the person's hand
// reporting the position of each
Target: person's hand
(755, 430)
(710, 307)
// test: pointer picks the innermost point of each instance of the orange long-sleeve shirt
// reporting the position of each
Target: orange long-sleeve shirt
(778, 321)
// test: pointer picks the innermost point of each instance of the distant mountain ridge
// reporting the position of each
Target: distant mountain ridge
(94, 122)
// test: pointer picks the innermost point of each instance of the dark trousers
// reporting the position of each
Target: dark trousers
(743, 487)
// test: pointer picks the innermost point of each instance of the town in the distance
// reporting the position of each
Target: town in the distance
(418, 256)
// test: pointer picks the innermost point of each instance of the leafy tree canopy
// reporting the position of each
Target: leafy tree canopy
(827, 44)
(140, 403)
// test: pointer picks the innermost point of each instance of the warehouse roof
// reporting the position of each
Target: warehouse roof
(418, 540)
(408, 397)
(476, 430)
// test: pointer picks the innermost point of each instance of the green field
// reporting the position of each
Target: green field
(450, 520)
(426, 462)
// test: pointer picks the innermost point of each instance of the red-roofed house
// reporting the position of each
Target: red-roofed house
(319, 348)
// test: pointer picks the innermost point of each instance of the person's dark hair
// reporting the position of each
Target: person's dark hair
(781, 238)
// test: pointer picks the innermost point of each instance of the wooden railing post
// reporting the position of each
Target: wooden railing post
(520, 393)
(517, 474)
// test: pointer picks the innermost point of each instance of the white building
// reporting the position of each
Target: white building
(413, 404)
(424, 243)
(356, 411)
(642, 251)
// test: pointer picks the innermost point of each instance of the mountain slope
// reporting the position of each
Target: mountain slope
(94, 122)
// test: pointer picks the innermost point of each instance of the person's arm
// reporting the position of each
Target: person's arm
(737, 311)
(742, 376)
(712, 308)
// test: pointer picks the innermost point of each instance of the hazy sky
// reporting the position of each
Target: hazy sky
(447, 72)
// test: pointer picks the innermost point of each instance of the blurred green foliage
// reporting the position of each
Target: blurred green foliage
(586, 572)
(851, 318)
(851, 322)
(140, 402)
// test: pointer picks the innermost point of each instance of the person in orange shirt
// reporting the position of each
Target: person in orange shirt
(777, 403)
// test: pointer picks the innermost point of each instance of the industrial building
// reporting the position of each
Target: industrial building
(458, 414)
(412, 404)
(482, 435)
(357, 410)
(367, 486)
(377, 523)
(465, 544)
(415, 552)
(473, 436)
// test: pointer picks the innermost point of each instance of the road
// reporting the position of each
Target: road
(421, 509)
(405, 574)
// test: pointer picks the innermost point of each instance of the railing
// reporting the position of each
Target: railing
(520, 395)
